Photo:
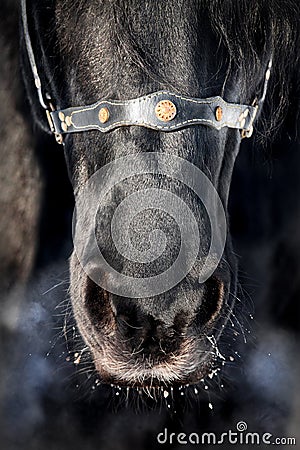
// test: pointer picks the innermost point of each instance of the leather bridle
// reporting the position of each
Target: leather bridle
(162, 111)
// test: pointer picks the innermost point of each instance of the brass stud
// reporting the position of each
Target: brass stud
(165, 110)
(103, 115)
(219, 113)
(61, 116)
(68, 121)
(64, 126)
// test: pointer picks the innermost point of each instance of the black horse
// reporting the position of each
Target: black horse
(91, 50)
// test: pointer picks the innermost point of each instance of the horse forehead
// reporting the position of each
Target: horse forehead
(137, 45)
(171, 28)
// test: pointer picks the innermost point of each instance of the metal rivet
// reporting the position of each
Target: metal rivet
(165, 110)
(219, 113)
(64, 126)
(68, 121)
(61, 116)
(103, 115)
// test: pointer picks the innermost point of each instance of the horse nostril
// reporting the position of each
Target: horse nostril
(126, 316)
(212, 302)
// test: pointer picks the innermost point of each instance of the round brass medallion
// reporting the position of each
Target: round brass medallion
(165, 110)
(103, 115)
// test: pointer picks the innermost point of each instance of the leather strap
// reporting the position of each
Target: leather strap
(105, 115)
(142, 111)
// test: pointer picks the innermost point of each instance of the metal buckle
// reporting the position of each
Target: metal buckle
(58, 136)
(248, 133)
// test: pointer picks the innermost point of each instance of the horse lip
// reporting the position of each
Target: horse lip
(155, 383)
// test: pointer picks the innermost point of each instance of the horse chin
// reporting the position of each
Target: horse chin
(189, 358)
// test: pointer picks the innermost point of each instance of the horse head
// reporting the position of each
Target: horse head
(151, 101)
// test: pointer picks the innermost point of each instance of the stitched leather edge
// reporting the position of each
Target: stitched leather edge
(87, 116)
